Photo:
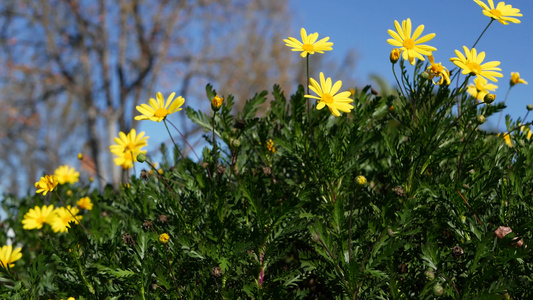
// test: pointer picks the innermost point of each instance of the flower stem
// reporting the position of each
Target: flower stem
(491, 20)
(397, 81)
(172, 273)
(176, 146)
(501, 113)
(214, 143)
(57, 194)
(183, 137)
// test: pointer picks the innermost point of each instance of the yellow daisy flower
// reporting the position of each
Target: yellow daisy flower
(61, 217)
(326, 96)
(471, 64)
(480, 88)
(158, 110)
(128, 147)
(66, 174)
(8, 256)
(46, 184)
(502, 12)
(515, 79)
(85, 203)
(309, 45)
(437, 70)
(410, 46)
(36, 217)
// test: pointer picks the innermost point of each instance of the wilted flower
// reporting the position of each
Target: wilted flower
(437, 70)
(158, 110)
(502, 12)
(85, 203)
(471, 64)
(515, 79)
(326, 96)
(308, 45)
(36, 217)
(46, 184)
(410, 46)
(8, 256)
(66, 174)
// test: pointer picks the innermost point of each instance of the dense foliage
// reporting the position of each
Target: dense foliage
(404, 197)
(297, 221)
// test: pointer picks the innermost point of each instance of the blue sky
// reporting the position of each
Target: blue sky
(362, 26)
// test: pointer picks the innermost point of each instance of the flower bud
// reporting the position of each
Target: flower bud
(481, 119)
(438, 290)
(141, 157)
(425, 75)
(489, 98)
(361, 180)
(529, 107)
(216, 103)
(430, 275)
(80, 156)
(163, 238)
(395, 55)
(235, 143)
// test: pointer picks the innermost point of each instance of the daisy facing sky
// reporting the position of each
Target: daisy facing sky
(158, 110)
(471, 63)
(502, 12)
(309, 43)
(410, 45)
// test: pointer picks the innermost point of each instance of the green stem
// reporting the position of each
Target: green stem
(172, 273)
(173, 142)
(214, 143)
(307, 66)
(187, 142)
(501, 113)
(491, 20)
(397, 81)
(57, 194)
(87, 283)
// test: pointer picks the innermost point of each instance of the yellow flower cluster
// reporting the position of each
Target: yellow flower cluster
(58, 218)
(470, 61)
(270, 146)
